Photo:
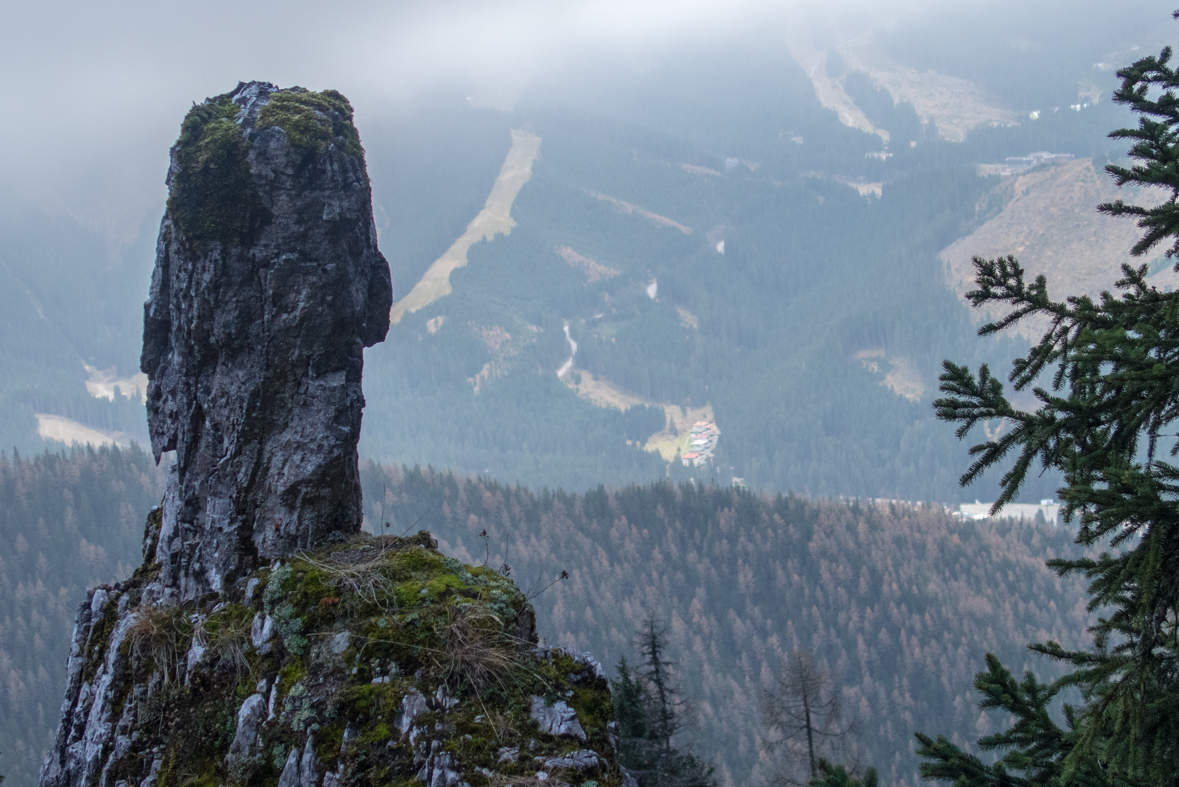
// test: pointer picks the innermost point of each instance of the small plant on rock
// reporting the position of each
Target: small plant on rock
(160, 634)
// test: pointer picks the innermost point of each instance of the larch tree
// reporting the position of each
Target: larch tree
(1106, 419)
(803, 714)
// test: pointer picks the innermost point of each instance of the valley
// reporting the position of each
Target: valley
(667, 328)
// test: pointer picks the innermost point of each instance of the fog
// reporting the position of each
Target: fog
(94, 93)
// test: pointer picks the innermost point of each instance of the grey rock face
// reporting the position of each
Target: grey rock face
(267, 287)
(557, 719)
(300, 771)
(90, 737)
(246, 741)
(412, 706)
(584, 761)
(439, 769)
(261, 632)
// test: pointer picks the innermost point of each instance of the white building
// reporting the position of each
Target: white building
(1050, 510)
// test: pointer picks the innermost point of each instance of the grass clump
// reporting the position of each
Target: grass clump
(160, 636)
(226, 635)
(475, 649)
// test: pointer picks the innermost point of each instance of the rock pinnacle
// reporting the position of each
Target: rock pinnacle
(267, 287)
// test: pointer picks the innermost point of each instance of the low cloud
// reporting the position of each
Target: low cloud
(94, 93)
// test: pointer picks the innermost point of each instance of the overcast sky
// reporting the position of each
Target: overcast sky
(94, 93)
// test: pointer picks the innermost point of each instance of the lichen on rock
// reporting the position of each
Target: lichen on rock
(388, 663)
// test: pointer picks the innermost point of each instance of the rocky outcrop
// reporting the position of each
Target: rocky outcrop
(387, 663)
(264, 640)
(267, 287)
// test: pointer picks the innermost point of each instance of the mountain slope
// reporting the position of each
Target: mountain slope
(1050, 223)
(898, 602)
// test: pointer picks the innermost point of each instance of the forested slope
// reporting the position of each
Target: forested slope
(67, 522)
(897, 602)
(698, 225)
(67, 299)
(813, 319)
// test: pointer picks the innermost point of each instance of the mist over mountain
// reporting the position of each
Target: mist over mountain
(665, 277)
(784, 179)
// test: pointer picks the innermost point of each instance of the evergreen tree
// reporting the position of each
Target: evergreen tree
(666, 718)
(630, 711)
(1107, 422)
(651, 713)
(838, 776)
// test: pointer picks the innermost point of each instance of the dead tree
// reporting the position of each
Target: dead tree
(803, 717)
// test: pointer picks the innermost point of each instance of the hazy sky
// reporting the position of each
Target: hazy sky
(94, 92)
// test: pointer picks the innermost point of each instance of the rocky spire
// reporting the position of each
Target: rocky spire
(360, 662)
(267, 287)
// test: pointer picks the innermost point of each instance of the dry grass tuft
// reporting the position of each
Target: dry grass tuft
(359, 572)
(475, 648)
(227, 645)
(505, 726)
(160, 634)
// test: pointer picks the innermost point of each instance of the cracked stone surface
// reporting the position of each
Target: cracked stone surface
(254, 334)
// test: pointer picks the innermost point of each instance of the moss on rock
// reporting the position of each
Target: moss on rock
(355, 676)
(213, 195)
(312, 121)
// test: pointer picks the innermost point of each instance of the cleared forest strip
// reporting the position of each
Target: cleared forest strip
(602, 392)
(103, 382)
(56, 427)
(666, 443)
(829, 91)
(630, 208)
(494, 219)
(955, 105)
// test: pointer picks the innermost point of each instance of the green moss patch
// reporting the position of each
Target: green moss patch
(213, 196)
(312, 121)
